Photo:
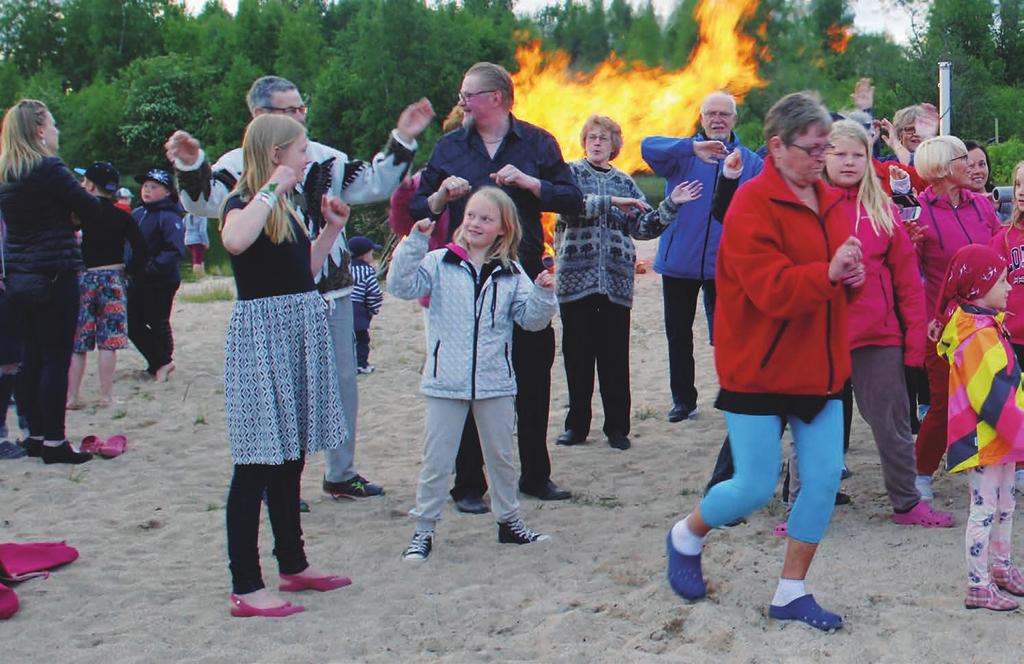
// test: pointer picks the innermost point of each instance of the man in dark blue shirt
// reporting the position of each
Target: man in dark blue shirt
(494, 148)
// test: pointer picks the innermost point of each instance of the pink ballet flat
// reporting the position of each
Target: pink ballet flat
(240, 609)
(293, 583)
(924, 515)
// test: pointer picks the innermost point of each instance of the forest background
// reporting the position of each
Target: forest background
(121, 75)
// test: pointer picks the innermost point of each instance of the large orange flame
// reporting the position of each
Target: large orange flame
(645, 101)
(838, 38)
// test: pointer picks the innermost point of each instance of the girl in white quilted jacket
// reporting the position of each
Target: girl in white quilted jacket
(477, 291)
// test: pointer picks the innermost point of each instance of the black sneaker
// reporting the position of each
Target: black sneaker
(420, 546)
(682, 412)
(63, 453)
(33, 446)
(357, 487)
(516, 532)
(619, 441)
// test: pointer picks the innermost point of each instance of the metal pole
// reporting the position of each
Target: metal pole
(945, 72)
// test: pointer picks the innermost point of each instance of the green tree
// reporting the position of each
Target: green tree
(681, 34)
(30, 33)
(644, 41)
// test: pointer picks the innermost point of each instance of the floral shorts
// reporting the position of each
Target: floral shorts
(102, 311)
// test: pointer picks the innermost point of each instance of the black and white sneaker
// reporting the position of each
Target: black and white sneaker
(420, 546)
(516, 532)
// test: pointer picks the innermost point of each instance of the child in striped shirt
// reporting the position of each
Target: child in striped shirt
(366, 297)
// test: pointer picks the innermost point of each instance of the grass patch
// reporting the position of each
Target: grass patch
(119, 414)
(200, 419)
(219, 294)
(646, 413)
(607, 502)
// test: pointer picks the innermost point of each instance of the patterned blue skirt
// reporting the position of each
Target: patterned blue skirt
(280, 380)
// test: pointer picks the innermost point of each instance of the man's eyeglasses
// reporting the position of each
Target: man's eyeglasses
(287, 110)
(814, 152)
(718, 115)
(464, 97)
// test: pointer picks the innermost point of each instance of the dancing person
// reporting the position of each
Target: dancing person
(952, 216)
(38, 196)
(197, 242)
(595, 266)
(354, 181)
(687, 251)
(478, 291)
(495, 147)
(366, 296)
(280, 381)
(782, 352)
(151, 291)
(986, 424)
(103, 298)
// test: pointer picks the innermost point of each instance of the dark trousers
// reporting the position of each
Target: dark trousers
(362, 348)
(49, 336)
(245, 498)
(723, 464)
(680, 301)
(149, 322)
(533, 354)
(596, 331)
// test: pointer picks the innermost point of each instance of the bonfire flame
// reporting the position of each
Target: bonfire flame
(645, 101)
(838, 38)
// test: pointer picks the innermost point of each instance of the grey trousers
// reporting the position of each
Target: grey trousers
(445, 419)
(879, 387)
(340, 462)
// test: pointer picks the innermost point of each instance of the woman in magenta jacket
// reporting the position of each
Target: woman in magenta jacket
(952, 216)
(882, 341)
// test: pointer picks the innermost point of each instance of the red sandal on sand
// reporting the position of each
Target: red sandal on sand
(240, 609)
(294, 583)
(114, 447)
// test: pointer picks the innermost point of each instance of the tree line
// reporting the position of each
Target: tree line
(120, 75)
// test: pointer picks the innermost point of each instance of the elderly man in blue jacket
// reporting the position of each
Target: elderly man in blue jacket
(687, 248)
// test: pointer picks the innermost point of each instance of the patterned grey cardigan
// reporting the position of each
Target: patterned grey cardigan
(594, 252)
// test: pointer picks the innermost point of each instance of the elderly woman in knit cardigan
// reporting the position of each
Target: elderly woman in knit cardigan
(595, 260)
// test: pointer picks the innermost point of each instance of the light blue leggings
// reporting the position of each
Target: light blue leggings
(757, 456)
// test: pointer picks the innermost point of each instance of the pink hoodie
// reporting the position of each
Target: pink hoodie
(893, 283)
(946, 229)
(1009, 242)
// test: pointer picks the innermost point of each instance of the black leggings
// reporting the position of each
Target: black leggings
(243, 521)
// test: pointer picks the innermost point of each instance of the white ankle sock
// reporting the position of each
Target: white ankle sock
(684, 541)
(788, 590)
(53, 443)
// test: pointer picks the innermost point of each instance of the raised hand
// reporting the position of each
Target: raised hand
(183, 147)
(846, 263)
(864, 94)
(335, 211)
(282, 180)
(414, 119)
(424, 226)
(897, 173)
(630, 205)
(510, 176)
(710, 151)
(733, 164)
(927, 123)
(455, 187)
(684, 192)
(545, 280)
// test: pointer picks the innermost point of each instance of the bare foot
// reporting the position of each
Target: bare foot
(74, 404)
(163, 373)
(262, 599)
(107, 401)
(312, 573)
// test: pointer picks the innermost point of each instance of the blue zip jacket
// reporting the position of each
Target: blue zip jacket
(688, 247)
(164, 232)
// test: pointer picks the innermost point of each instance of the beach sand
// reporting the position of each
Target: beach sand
(152, 582)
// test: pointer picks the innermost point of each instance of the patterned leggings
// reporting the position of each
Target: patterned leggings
(990, 521)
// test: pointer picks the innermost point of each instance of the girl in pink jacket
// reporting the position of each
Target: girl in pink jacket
(886, 321)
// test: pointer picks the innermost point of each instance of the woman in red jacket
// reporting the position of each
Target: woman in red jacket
(952, 216)
(781, 351)
(882, 341)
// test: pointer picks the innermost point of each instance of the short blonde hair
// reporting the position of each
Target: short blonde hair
(609, 125)
(934, 156)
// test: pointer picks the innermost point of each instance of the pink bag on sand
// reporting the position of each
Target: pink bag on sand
(19, 562)
(8, 602)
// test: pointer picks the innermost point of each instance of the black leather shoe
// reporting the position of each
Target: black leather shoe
(547, 491)
(842, 498)
(472, 505)
(33, 446)
(682, 412)
(619, 441)
(63, 453)
(570, 437)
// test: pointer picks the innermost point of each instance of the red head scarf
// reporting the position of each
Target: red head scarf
(972, 272)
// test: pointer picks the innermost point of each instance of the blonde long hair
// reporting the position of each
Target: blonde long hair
(20, 147)
(1016, 219)
(506, 246)
(870, 194)
(266, 132)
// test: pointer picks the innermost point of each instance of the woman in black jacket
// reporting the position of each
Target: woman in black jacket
(38, 196)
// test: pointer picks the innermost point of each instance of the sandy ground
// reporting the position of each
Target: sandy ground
(151, 584)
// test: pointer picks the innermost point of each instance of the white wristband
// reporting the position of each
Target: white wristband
(269, 199)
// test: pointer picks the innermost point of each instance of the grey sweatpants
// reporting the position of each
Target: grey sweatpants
(879, 387)
(445, 420)
(340, 461)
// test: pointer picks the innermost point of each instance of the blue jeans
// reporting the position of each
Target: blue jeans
(757, 457)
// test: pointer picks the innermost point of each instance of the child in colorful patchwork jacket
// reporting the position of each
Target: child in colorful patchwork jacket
(985, 419)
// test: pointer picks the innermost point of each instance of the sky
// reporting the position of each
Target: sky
(870, 15)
